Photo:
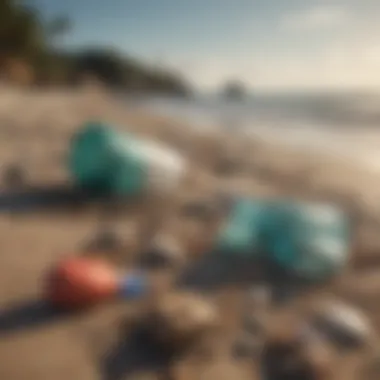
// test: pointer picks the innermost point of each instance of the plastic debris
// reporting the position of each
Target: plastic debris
(103, 160)
(164, 252)
(133, 285)
(342, 324)
(78, 282)
(309, 240)
(241, 233)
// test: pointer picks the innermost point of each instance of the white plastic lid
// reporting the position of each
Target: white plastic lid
(166, 167)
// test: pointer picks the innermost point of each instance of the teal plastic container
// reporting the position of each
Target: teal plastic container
(240, 236)
(310, 240)
(102, 160)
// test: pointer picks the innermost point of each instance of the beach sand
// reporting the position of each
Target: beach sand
(35, 128)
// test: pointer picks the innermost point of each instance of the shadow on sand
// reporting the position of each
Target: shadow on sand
(134, 353)
(28, 315)
(59, 197)
(215, 270)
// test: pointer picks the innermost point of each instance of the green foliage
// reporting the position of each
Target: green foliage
(24, 35)
(122, 72)
(21, 32)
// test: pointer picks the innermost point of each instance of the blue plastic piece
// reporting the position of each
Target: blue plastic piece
(133, 286)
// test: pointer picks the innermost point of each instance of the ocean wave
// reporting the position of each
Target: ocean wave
(328, 110)
(342, 125)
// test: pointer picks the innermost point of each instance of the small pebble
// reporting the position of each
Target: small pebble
(14, 176)
(105, 240)
(246, 346)
(201, 210)
(252, 325)
(257, 297)
(180, 319)
(163, 253)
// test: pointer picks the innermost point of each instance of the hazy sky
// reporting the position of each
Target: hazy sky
(268, 43)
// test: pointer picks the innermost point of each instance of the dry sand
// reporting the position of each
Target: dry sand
(35, 128)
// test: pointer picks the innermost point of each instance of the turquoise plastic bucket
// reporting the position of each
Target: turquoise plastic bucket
(240, 235)
(310, 240)
(104, 160)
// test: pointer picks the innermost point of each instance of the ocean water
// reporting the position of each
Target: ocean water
(345, 125)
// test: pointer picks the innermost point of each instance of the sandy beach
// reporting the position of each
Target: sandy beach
(35, 130)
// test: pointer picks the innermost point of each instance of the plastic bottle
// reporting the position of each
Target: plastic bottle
(310, 240)
(102, 160)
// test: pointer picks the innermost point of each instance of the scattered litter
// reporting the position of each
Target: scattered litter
(241, 233)
(133, 285)
(80, 282)
(103, 160)
(310, 240)
(164, 252)
(182, 319)
(76, 283)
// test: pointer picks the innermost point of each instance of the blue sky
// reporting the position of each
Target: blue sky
(271, 44)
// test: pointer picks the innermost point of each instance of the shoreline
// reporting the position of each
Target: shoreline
(342, 142)
(58, 114)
